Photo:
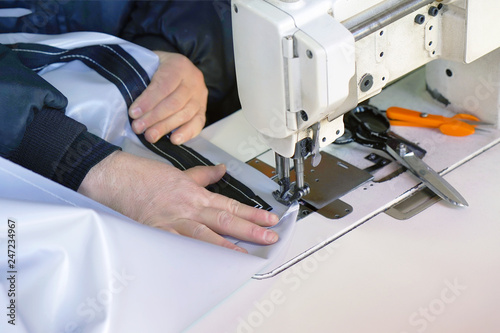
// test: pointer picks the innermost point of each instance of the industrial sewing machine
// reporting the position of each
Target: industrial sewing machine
(302, 64)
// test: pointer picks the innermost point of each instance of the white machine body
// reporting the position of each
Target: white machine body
(293, 65)
(300, 62)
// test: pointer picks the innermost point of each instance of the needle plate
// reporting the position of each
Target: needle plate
(329, 181)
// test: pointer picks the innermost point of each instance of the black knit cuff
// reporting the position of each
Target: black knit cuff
(84, 153)
(46, 140)
(60, 148)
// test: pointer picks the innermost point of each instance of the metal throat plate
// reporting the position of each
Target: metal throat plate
(329, 181)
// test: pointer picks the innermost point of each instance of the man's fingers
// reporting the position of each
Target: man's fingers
(258, 216)
(225, 223)
(206, 175)
(161, 109)
(150, 97)
(176, 98)
(189, 129)
(187, 123)
(164, 82)
(200, 231)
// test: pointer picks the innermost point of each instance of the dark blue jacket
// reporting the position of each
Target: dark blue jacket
(30, 108)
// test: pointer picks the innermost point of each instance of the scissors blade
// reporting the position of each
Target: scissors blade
(474, 122)
(429, 177)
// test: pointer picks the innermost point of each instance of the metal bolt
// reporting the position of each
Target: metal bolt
(303, 115)
(420, 19)
(366, 82)
(402, 149)
(433, 11)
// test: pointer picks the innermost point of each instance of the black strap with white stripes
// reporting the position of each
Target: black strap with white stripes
(120, 68)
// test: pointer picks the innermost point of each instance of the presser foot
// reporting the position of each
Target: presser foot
(287, 197)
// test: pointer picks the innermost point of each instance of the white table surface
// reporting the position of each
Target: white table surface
(435, 272)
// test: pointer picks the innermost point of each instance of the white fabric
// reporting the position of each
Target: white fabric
(14, 12)
(81, 267)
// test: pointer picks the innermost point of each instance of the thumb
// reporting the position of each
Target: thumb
(206, 175)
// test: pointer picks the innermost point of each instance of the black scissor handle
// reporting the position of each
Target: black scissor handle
(371, 128)
(367, 125)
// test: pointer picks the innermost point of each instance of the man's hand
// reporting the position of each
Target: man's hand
(157, 194)
(176, 98)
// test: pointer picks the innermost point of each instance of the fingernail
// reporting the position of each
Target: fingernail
(136, 112)
(152, 135)
(177, 139)
(273, 218)
(239, 249)
(138, 126)
(270, 236)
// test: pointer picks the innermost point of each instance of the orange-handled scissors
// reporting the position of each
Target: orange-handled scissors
(458, 125)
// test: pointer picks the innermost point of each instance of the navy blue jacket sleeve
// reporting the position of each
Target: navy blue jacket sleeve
(23, 94)
(34, 131)
(200, 30)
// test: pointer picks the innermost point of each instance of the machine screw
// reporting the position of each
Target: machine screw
(303, 115)
(402, 149)
(366, 82)
(433, 11)
(420, 19)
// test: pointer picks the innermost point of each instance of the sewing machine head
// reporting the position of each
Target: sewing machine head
(302, 64)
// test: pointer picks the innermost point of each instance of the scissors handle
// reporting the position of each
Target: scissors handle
(449, 126)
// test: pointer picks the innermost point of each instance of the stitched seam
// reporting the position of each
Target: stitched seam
(257, 204)
(128, 63)
(164, 153)
(225, 181)
(39, 68)
(43, 52)
(96, 63)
